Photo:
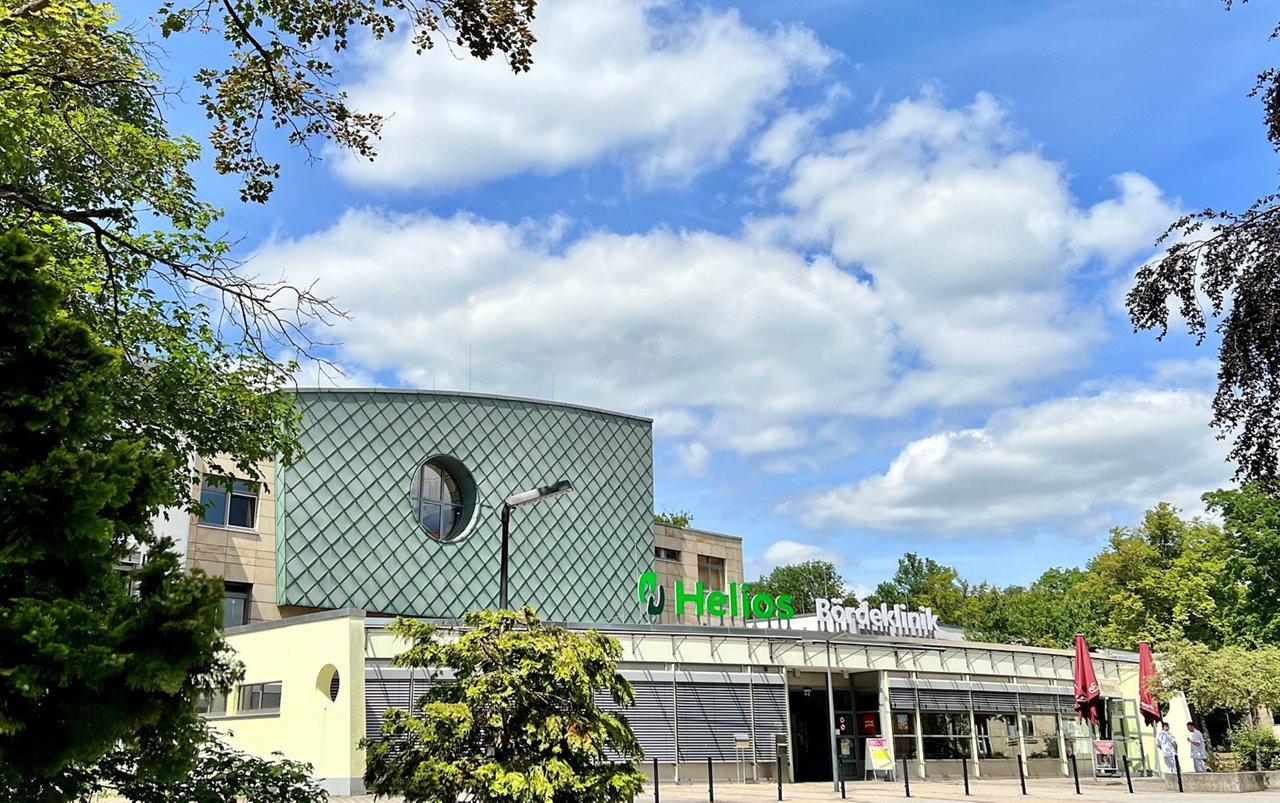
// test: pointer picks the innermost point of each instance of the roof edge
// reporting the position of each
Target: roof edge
(472, 395)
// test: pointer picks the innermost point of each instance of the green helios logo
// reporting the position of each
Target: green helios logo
(651, 594)
(737, 601)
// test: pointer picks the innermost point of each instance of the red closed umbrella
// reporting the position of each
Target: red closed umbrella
(1088, 695)
(1146, 676)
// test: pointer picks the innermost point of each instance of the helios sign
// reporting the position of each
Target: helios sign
(738, 601)
(891, 621)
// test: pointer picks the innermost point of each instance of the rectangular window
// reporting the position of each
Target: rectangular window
(212, 705)
(663, 553)
(711, 573)
(946, 734)
(997, 735)
(235, 604)
(259, 697)
(229, 503)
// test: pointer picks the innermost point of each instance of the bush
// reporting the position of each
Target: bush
(1257, 748)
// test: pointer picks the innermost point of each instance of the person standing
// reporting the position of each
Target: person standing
(1197, 747)
(1168, 744)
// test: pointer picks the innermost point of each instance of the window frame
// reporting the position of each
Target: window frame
(659, 550)
(709, 563)
(241, 591)
(229, 491)
(248, 693)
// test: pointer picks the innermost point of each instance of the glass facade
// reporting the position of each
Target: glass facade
(946, 734)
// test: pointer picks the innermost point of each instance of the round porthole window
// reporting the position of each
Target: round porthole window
(443, 497)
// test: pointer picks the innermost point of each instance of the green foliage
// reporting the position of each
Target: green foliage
(221, 773)
(85, 664)
(280, 71)
(804, 583)
(1249, 564)
(1233, 677)
(679, 518)
(923, 582)
(520, 723)
(1257, 747)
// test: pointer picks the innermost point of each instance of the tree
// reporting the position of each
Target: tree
(521, 721)
(221, 773)
(1232, 259)
(1047, 613)
(923, 582)
(1160, 580)
(679, 518)
(89, 169)
(86, 664)
(804, 583)
(1250, 565)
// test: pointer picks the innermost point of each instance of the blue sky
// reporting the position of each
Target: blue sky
(862, 261)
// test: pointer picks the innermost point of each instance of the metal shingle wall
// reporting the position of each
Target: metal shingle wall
(346, 532)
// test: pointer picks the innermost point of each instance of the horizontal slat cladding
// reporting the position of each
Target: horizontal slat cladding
(710, 714)
(652, 719)
(943, 700)
(1040, 703)
(902, 698)
(995, 701)
(383, 693)
(770, 710)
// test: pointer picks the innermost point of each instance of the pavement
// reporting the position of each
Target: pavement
(982, 791)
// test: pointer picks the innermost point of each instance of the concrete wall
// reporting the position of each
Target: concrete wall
(301, 653)
(239, 555)
(691, 543)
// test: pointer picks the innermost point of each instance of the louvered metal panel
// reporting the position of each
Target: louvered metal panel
(383, 693)
(902, 698)
(1041, 703)
(995, 701)
(652, 718)
(709, 715)
(769, 707)
(943, 700)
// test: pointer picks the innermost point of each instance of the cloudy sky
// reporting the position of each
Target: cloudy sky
(862, 261)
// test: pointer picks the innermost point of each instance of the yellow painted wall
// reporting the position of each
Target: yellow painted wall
(309, 727)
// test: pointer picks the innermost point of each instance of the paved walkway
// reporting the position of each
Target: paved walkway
(986, 791)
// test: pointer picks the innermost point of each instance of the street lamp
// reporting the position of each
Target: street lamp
(520, 500)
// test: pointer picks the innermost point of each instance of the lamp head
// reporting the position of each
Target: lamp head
(538, 494)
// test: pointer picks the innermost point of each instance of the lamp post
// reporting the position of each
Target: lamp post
(511, 503)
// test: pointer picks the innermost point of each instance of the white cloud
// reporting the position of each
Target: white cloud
(785, 552)
(694, 458)
(677, 322)
(970, 236)
(945, 251)
(1070, 462)
(794, 132)
(670, 87)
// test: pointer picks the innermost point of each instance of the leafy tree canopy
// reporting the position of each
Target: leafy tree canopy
(522, 721)
(804, 583)
(923, 582)
(86, 664)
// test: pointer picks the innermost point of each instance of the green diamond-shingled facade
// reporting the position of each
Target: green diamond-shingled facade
(346, 534)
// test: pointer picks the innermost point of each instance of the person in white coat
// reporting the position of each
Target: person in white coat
(1168, 744)
(1198, 753)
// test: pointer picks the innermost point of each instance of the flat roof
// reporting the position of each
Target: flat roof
(470, 395)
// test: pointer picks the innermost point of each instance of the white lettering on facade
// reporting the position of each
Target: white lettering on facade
(896, 621)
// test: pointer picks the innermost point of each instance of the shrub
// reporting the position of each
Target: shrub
(1256, 747)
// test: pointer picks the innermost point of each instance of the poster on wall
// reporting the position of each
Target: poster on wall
(878, 757)
(868, 724)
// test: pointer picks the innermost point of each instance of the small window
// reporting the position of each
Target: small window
(711, 573)
(259, 697)
(212, 705)
(663, 553)
(235, 604)
(229, 503)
